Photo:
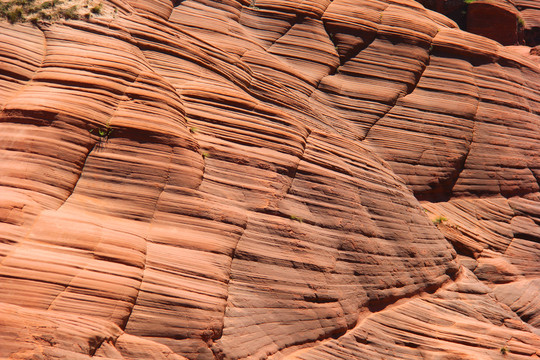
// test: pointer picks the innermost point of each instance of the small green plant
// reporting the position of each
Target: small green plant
(468, 2)
(193, 130)
(104, 133)
(69, 13)
(97, 9)
(439, 220)
(47, 4)
(43, 16)
(520, 21)
(205, 155)
(504, 350)
(15, 15)
(297, 218)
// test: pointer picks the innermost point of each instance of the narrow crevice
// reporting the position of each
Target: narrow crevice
(334, 34)
(444, 190)
(79, 175)
(96, 343)
(378, 305)
(125, 322)
(453, 181)
(320, 299)
(293, 171)
(461, 248)
(233, 256)
(410, 90)
(211, 340)
(391, 106)
(537, 177)
(298, 20)
(364, 39)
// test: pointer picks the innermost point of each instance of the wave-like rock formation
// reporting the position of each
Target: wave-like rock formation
(237, 179)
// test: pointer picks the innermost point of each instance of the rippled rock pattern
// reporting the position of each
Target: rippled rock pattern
(237, 179)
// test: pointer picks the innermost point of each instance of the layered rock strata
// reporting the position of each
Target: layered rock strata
(267, 179)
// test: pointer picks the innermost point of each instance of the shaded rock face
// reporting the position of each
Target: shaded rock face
(507, 22)
(270, 179)
(499, 21)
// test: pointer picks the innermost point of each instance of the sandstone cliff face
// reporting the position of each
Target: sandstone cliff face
(230, 179)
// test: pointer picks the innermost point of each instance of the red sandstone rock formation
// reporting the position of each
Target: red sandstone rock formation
(275, 179)
(498, 20)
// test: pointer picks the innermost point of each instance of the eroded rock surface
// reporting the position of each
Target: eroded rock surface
(267, 179)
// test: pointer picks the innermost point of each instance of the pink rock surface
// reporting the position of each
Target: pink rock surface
(267, 179)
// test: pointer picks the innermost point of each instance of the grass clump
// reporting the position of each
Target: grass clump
(97, 9)
(15, 15)
(69, 13)
(504, 350)
(297, 218)
(36, 11)
(439, 220)
(48, 4)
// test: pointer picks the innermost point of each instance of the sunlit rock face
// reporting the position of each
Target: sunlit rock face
(267, 179)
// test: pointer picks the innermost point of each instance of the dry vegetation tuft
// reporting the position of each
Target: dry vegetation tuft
(36, 11)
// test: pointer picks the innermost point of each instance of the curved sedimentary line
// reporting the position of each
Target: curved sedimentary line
(34, 74)
(192, 53)
(29, 81)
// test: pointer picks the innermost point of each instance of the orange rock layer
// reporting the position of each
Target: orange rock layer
(239, 179)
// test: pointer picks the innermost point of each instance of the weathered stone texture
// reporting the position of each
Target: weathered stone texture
(236, 179)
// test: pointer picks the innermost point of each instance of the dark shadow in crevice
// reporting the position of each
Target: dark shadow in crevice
(348, 42)
(473, 57)
(442, 191)
(377, 305)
